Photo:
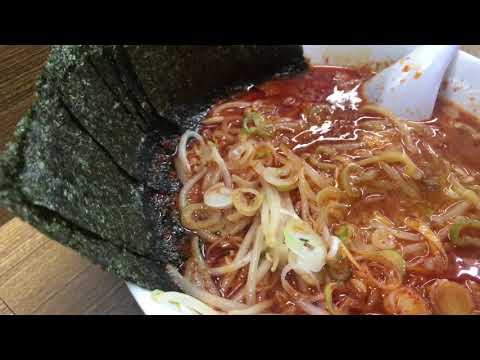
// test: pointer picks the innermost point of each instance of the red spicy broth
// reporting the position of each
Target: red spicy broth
(395, 188)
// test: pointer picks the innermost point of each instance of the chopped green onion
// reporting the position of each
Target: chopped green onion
(243, 137)
(392, 257)
(261, 154)
(248, 130)
(306, 245)
(457, 228)
(339, 269)
(395, 157)
(391, 260)
(328, 294)
(345, 233)
(261, 128)
(284, 178)
(345, 180)
(450, 298)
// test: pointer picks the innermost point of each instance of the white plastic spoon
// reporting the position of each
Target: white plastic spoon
(409, 88)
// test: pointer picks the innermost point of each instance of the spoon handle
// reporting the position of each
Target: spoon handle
(409, 88)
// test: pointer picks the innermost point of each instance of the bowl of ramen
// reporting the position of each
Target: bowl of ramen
(301, 198)
(267, 186)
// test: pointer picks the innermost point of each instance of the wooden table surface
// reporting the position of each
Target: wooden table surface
(37, 275)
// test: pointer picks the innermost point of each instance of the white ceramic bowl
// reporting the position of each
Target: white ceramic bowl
(463, 88)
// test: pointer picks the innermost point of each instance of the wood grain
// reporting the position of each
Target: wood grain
(18, 242)
(39, 276)
(19, 69)
(117, 302)
(4, 309)
(472, 49)
(91, 289)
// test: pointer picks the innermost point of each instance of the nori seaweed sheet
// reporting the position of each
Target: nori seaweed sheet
(107, 70)
(189, 79)
(91, 163)
(134, 88)
(50, 213)
(82, 90)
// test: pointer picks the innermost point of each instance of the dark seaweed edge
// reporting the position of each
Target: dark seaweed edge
(99, 111)
(136, 91)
